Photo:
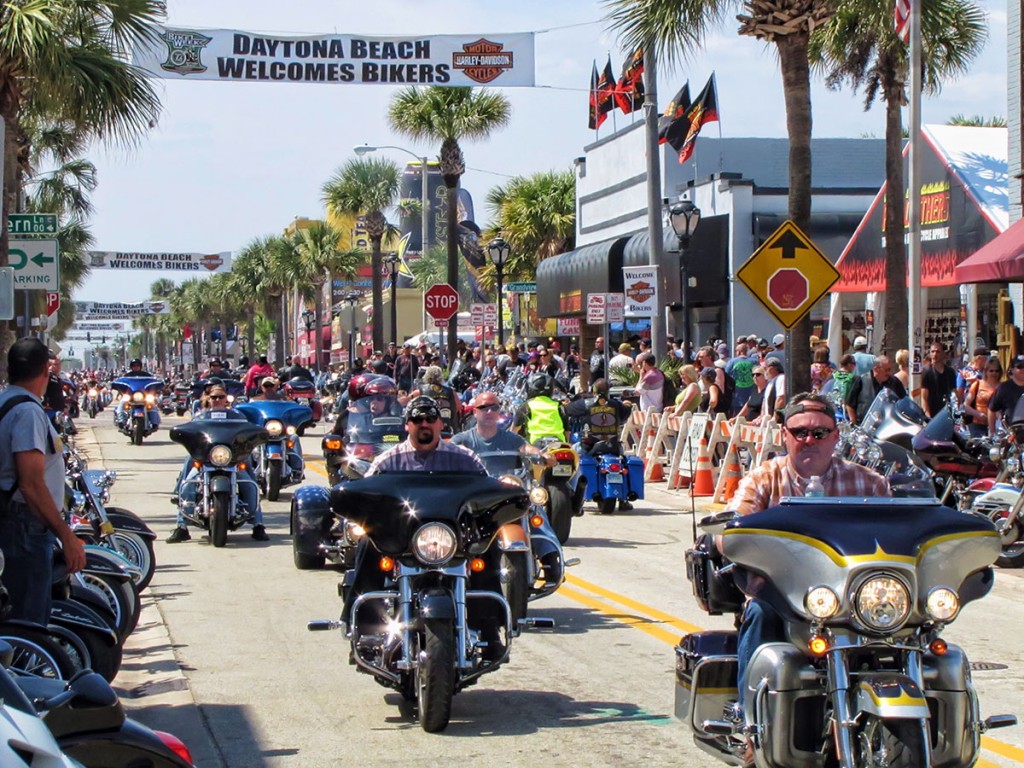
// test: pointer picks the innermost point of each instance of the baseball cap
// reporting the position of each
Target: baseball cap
(723, 348)
(773, 362)
(762, 342)
(708, 373)
(268, 380)
(1017, 362)
(485, 398)
(860, 341)
(625, 348)
(777, 339)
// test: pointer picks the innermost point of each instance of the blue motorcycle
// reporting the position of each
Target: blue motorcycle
(138, 413)
(234, 388)
(612, 477)
(278, 462)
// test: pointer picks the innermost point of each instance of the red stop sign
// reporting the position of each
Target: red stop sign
(788, 289)
(441, 301)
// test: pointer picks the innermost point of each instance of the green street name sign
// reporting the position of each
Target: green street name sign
(32, 224)
(520, 287)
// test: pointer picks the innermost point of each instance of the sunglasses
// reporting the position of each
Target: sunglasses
(270, 386)
(802, 433)
(488, 408)
(759, 374)
(420, 419)
(218, 397)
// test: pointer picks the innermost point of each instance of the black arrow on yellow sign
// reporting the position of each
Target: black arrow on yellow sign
(789, 244)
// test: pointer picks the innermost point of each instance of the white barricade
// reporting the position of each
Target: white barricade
(687, 448)
(661, 448)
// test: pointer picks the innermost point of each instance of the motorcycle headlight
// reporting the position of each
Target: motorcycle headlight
(822, 602)
(883, 603)
(150, 399)
(126, 398)
(539, 495)
(995, 453)
(220, 455)
(354, 531)
(274, 427)
(138, 397)
(290, 429)
(942, 604)
(93, 393)
(434, 544)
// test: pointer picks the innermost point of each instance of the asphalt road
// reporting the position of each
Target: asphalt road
(223, 659)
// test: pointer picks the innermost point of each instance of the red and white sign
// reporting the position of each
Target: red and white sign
(490, 315)
(52, 302)
(441, 302)
(440, 323)
(641, 291)
(568, 326)
(597, 308)
(615, 307)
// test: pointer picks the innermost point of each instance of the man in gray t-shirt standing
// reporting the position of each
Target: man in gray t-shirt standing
(31, 459)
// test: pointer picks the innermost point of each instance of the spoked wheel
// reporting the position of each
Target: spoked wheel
(88, 650)
(435, 675)
(891, 743)
(125, 606)
(1012, 555)
(36, 654)
(138, 550)
(561, 512)
(219, 519)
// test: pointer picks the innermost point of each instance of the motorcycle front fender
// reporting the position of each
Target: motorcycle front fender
(129, 522)
(220, 483)
(436, 605)
(512, 537)
(890, 696)
(275, 450)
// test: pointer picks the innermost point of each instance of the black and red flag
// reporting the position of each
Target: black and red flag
(596, 116)
(703, 110)
(629, 91)
(602, 94)
(671, 121)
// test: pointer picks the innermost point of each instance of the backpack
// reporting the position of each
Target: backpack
(5, 496)
(669, 390)
(729, 392)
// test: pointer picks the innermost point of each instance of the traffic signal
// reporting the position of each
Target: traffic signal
(88, 336)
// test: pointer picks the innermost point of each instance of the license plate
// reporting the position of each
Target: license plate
(562, 470)
(614, 477)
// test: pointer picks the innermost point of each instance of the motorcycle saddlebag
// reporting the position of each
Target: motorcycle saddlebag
(636, 475)
(715, 592)
(705, 676)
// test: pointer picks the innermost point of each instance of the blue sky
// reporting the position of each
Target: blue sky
(229, 162)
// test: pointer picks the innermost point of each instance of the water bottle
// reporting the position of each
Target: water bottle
(814, 487)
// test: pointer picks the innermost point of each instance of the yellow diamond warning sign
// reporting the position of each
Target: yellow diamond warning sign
(788, 274)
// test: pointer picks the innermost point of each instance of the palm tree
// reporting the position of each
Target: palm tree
(319, 258)
(860, 46)
(977, 121)
(676, 28)
(368, 186)
(432, 268)
(449, 115)
(259, 277)
(536, 215)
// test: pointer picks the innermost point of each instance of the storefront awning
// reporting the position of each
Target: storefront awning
(564, 280)
(1002, 259)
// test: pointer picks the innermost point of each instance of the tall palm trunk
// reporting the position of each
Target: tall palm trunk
(895, 331)
(318, 339)
(377, 264)
(452, 187)
(796, 83)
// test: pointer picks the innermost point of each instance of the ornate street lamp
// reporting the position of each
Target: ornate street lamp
(499, 250)
(392, 262)
(684, 217)
(424, 187)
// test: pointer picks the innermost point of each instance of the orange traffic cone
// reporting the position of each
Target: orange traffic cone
(703, 479)
(657, 473)
(733, 474)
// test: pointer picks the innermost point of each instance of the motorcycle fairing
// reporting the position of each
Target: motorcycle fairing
(291, 414)
(199, 435)
(129, 385)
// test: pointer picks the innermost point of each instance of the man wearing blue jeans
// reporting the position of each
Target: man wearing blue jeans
(248, 491)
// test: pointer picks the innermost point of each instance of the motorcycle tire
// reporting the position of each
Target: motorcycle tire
(435, 675)
(138, 550)
(514, 583)
(561, 512)
(92, 411)
(90, 651)
(119, 599)
(607, 506)
(1012, 556)
(179, 411)
(303, 561)
(138, 432)
(274, 479)
(36, 653)
(902, 742)
(220, 506)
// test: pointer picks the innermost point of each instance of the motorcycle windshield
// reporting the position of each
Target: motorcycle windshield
(380, 431)
(889, 410)
(503, 462)
(260, 411)
(128, 385)
(803, 543)
(390, 507)
(199, 435)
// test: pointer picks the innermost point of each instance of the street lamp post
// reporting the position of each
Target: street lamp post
(308, 317)
(352, 297)
(424, 188)
(684, 217)
(499, 250)
(392, 262)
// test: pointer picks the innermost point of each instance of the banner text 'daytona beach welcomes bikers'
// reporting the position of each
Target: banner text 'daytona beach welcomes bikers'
(232, 56)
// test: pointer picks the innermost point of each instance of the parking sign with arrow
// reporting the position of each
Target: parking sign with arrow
(36, 264)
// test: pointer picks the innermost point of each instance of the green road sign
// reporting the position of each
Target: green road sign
(32, 224)
(520, 288)
(36, 264)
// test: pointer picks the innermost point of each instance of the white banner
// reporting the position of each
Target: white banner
(87, 310)
(234, 56)
(641, 285)
(568, 326)
(166, 262)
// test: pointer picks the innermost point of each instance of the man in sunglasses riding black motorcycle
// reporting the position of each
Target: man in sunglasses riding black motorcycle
(809, 434)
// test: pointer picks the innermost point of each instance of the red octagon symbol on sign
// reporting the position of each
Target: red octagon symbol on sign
(788, 289)
(441, 301)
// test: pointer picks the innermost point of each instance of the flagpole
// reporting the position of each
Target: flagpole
(718, 111)
(915, 310)
(654, 212)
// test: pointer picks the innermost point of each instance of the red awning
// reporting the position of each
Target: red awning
(999, 260)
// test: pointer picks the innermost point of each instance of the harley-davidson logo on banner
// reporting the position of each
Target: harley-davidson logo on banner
(641, 284)
(231, 55)
(167, 262)
(87, 310)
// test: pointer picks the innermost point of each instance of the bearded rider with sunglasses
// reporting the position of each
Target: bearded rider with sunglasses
(809, 434)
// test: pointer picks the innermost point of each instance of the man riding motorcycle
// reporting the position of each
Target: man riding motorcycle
(448, 404)
(216, 400)
(540, 416)
(602, 417)
(136, 371)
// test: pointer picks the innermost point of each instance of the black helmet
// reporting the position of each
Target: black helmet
(137, 361)
(539, 385)
(422, 406)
